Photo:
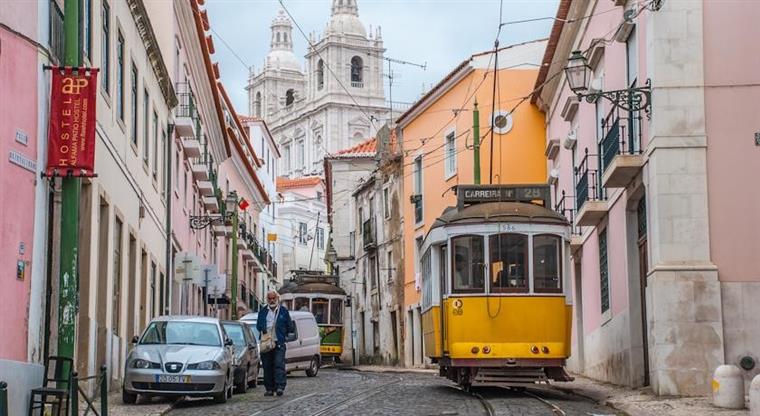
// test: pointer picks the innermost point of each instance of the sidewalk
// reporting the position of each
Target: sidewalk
(158, 406)
(642, 402)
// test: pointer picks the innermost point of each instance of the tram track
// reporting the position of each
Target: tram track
(487, 406)
(329, 410)
(556, 410)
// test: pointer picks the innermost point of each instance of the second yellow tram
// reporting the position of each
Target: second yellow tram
(496, 303)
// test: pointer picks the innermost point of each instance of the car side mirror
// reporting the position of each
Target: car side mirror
(228, 342)
(135, 339)
(291, 337)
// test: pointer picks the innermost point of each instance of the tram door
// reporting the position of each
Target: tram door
(442, 261)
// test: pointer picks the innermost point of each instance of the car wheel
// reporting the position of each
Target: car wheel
(221, 397)
(313, 367)
(128, 398)
(242, 386)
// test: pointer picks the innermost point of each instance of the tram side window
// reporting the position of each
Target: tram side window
(547, 264)
(288, 304)
(468, 261)
(301, 304)
(336, 311)
(509, 262)
(319, 309)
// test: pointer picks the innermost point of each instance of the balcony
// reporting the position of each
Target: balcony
(590, 198)
(211, 203)
(186, 117)
(192, 147)
(206, 188)
(200, 170)
(565, 207)
(219, 230)
(621, 150)
(369, 238)
(357, 84)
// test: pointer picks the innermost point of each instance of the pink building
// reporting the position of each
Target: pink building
(666, 274)
(24, 89)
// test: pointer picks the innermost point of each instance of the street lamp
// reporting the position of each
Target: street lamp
(199, 222)
(578, 75)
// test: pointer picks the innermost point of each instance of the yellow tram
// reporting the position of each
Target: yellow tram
(318, 293)
(496, 299)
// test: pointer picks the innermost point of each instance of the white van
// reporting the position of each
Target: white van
(303, 350)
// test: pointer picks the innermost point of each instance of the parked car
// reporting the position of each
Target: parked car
(180, 356)
(302, 347)
(246, 354)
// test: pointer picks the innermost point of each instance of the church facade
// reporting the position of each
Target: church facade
(331, 102)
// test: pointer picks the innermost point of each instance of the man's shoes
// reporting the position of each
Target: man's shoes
(279, 392)
(269, 393)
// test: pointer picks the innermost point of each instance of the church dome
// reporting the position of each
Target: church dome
(283, 59)
(345, 19)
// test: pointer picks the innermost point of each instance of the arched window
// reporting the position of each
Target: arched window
(284, 37)
(320, 74)
(357, 71)
(278, 37)
(257, 105)
(290, 96)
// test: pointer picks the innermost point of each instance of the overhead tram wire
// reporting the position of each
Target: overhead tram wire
(335, 76)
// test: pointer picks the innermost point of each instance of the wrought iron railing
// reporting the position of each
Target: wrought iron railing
(186, 106)
(565, 207)
(622, 135)
(587, 181)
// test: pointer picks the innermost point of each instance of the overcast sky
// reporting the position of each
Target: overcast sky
(441, 33)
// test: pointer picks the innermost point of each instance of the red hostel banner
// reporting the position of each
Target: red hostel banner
(71, 142)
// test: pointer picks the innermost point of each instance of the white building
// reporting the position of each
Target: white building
(334, 103)
(301, 225)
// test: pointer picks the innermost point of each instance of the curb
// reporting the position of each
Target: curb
(388, 370)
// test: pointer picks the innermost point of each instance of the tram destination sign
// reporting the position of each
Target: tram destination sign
(473, 194)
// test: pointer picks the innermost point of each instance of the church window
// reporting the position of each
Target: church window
(278, 37)
(357, 71)
(284, 37)
(290, 96)
(320, 74)
(301, 154)
(257, 105)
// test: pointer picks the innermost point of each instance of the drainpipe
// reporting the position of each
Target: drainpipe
(168, 185)
(476, 143)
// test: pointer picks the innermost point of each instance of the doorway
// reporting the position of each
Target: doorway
(641, 215)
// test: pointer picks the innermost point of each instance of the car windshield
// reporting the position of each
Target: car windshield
(235, 332)
(182, 333)
(252, 325)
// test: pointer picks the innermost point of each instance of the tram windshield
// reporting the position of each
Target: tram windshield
(509, 262)
(547, 263)
(301, 304)
(319, 309)
(469, 273)
(336, 311)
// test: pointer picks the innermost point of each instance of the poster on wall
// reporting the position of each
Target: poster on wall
(71, 138)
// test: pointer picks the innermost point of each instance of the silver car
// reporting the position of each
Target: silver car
(180, 356)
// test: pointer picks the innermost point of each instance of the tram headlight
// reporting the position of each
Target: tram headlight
(534, 350)
(475, 349)
(545, 349)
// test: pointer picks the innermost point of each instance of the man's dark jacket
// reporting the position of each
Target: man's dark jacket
(283, 326)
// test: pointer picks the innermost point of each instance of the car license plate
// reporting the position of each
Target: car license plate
(168, 378)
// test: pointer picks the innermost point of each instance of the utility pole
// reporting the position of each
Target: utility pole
(493, 108)
(233, 292)
(476, 143)
(390, 77)
(68, 282)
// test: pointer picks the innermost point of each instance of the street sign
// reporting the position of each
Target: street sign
(187, 267)
(271, 237)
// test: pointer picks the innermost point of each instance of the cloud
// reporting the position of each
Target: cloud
(440, 33)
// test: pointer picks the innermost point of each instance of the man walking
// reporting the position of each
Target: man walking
(274, 321)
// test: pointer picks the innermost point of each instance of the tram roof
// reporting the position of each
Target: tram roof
(490, 212)
(295, 287)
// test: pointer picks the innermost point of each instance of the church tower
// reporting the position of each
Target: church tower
(355, 56)
(281, 83)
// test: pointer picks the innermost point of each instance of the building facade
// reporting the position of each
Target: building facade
(301, 225)
(436, 133)
(663, 271)
(332, 104)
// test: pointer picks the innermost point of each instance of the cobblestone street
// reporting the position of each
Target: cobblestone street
(335, 392)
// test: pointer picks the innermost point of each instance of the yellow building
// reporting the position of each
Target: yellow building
(437, 137)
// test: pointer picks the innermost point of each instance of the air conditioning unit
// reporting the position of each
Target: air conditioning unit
(553, 176)
(625, 29)
(570, 140)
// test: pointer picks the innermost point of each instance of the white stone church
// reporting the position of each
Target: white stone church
(333, 102)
